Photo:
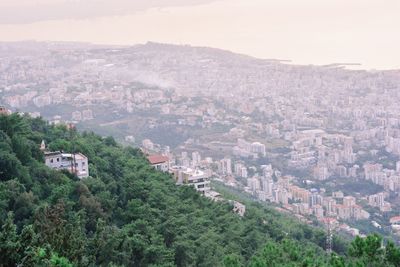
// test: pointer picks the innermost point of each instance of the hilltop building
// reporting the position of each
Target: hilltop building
(75, 163)
(197, 178)
(159, 162)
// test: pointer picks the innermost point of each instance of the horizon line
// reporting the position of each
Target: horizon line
(339, 65)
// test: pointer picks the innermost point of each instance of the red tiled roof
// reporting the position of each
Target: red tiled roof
(157, 159)
(395, 219)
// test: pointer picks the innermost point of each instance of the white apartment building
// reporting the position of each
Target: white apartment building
(196, 178)
(241, 170)
(196, 159)
(267, 170)
(74, 163)
(320, 172)
(258, 148)
(254, 184)
(267, 185)
(226, 166)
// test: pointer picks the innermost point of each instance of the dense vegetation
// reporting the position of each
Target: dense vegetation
(127, 214)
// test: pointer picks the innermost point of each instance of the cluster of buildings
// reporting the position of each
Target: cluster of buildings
(75, 163)
(199, 179)
(266, 185)
(325, 154)
(188, 174)
(389, 179)
(326, 124)
(378, 200)
(281, 190)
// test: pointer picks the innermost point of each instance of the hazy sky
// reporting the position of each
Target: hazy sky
(306, 31)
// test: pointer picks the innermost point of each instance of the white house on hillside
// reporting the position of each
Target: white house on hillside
(159, 162)
(74, 163)
(196, 178)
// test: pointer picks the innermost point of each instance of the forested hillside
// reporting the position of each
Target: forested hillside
(127, 214)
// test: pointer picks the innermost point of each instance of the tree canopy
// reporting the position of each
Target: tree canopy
(128, 214)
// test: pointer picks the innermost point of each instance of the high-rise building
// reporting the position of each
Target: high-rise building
(253, 184)
(196, 159)
(398, 166)
(226, 166)
(267, 185)
(321, 172)
(268, 171)
(258, 148)
(349, 201)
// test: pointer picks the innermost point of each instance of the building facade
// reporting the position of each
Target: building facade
(159, 162)
(196, 178)
(74, 163)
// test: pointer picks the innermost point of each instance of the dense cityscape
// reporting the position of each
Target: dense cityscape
(319, 142)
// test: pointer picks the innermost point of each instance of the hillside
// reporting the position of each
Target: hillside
(128, 214)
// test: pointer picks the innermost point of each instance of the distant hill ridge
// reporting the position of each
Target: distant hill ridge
(31, 45)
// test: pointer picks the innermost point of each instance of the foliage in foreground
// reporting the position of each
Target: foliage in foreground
(127, 214)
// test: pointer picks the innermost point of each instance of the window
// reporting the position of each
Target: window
(51, 161)
(58, 159)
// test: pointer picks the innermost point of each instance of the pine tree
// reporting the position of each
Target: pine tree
(9, 242)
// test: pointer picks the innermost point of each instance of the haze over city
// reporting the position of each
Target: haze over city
(221, 133)
(306, 32)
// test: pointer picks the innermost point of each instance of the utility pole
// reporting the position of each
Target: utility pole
(329, 238)
(72, 137)
(330, 229)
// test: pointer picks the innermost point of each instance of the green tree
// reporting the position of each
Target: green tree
(11, 167)
(129, 214)
(232, 260)
(9, 242)
(14, 124)
(392, 254)
(368, 250)
(29, 250)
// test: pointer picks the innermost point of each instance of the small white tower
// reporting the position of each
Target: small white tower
(43, 146)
